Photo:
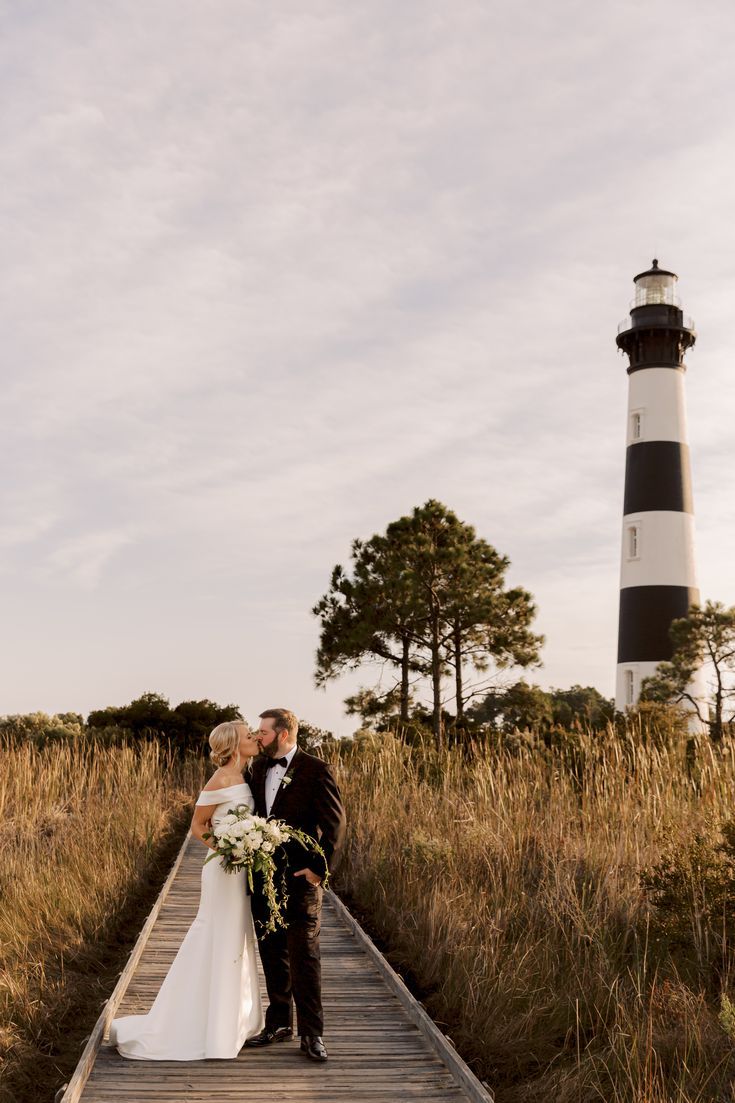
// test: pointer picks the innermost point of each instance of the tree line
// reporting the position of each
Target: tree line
(426, 605)
(148, 718)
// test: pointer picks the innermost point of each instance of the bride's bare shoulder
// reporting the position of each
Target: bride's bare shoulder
(222, 779)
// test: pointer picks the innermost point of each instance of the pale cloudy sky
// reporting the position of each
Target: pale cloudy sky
(273, 274)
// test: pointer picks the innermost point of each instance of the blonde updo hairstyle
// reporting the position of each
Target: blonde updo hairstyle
(224, 742)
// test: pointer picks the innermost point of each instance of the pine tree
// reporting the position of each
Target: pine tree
(426, 597)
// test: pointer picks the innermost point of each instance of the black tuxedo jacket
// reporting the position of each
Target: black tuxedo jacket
(310, 801)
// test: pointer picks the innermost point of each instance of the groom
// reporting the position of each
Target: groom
(289, 784)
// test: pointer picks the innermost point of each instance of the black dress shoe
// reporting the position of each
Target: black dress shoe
(313, 1046)
(268, 1036)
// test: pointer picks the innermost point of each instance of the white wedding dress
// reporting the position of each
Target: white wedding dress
(209, 1002)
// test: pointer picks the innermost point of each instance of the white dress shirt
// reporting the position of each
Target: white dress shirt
(273, 779)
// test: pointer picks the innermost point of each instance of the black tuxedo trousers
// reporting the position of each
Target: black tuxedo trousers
(308, 799)
(292, 964)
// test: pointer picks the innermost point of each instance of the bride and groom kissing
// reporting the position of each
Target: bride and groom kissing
(209, 1003)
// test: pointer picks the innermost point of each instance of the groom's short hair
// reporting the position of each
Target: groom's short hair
(285, 721)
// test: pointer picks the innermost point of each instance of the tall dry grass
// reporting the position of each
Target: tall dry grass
(83, 830)
(509, 886)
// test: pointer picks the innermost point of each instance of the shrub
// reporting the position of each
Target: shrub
(692, 889)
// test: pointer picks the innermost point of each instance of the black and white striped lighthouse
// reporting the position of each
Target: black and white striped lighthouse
(658, 580)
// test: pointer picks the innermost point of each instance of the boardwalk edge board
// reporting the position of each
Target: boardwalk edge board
(462, 1073)
(75, 1087)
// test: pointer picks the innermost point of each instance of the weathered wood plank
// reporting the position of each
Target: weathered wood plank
(383, 1048)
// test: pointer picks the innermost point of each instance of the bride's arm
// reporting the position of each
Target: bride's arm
(200, 824)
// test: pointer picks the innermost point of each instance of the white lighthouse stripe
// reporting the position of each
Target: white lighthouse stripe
(629, 678)
(658, 550)
(656, 408)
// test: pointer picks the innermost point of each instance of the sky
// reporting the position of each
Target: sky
(275, 274)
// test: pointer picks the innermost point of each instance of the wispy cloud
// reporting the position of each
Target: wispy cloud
(81, 561)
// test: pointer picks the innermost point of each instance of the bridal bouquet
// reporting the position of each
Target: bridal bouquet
(245, 841)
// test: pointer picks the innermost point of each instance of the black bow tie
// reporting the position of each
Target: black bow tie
(276, 762)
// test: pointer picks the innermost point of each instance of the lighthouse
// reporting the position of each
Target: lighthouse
(658, 578)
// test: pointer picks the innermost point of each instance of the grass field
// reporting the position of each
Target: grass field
(511, 887)
(565, 911)
(87, 835)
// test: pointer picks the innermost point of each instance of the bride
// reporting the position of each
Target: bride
(209, 1002)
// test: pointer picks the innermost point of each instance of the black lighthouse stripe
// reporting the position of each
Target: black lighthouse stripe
(646, 613)
(657, 476)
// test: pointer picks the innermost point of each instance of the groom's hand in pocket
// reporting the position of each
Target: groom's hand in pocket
(310, 876)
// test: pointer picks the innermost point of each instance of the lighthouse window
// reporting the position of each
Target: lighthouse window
(629, 687)
(636, 425)
(634, 541)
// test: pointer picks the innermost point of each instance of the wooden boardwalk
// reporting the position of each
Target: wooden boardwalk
(382, 1046)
